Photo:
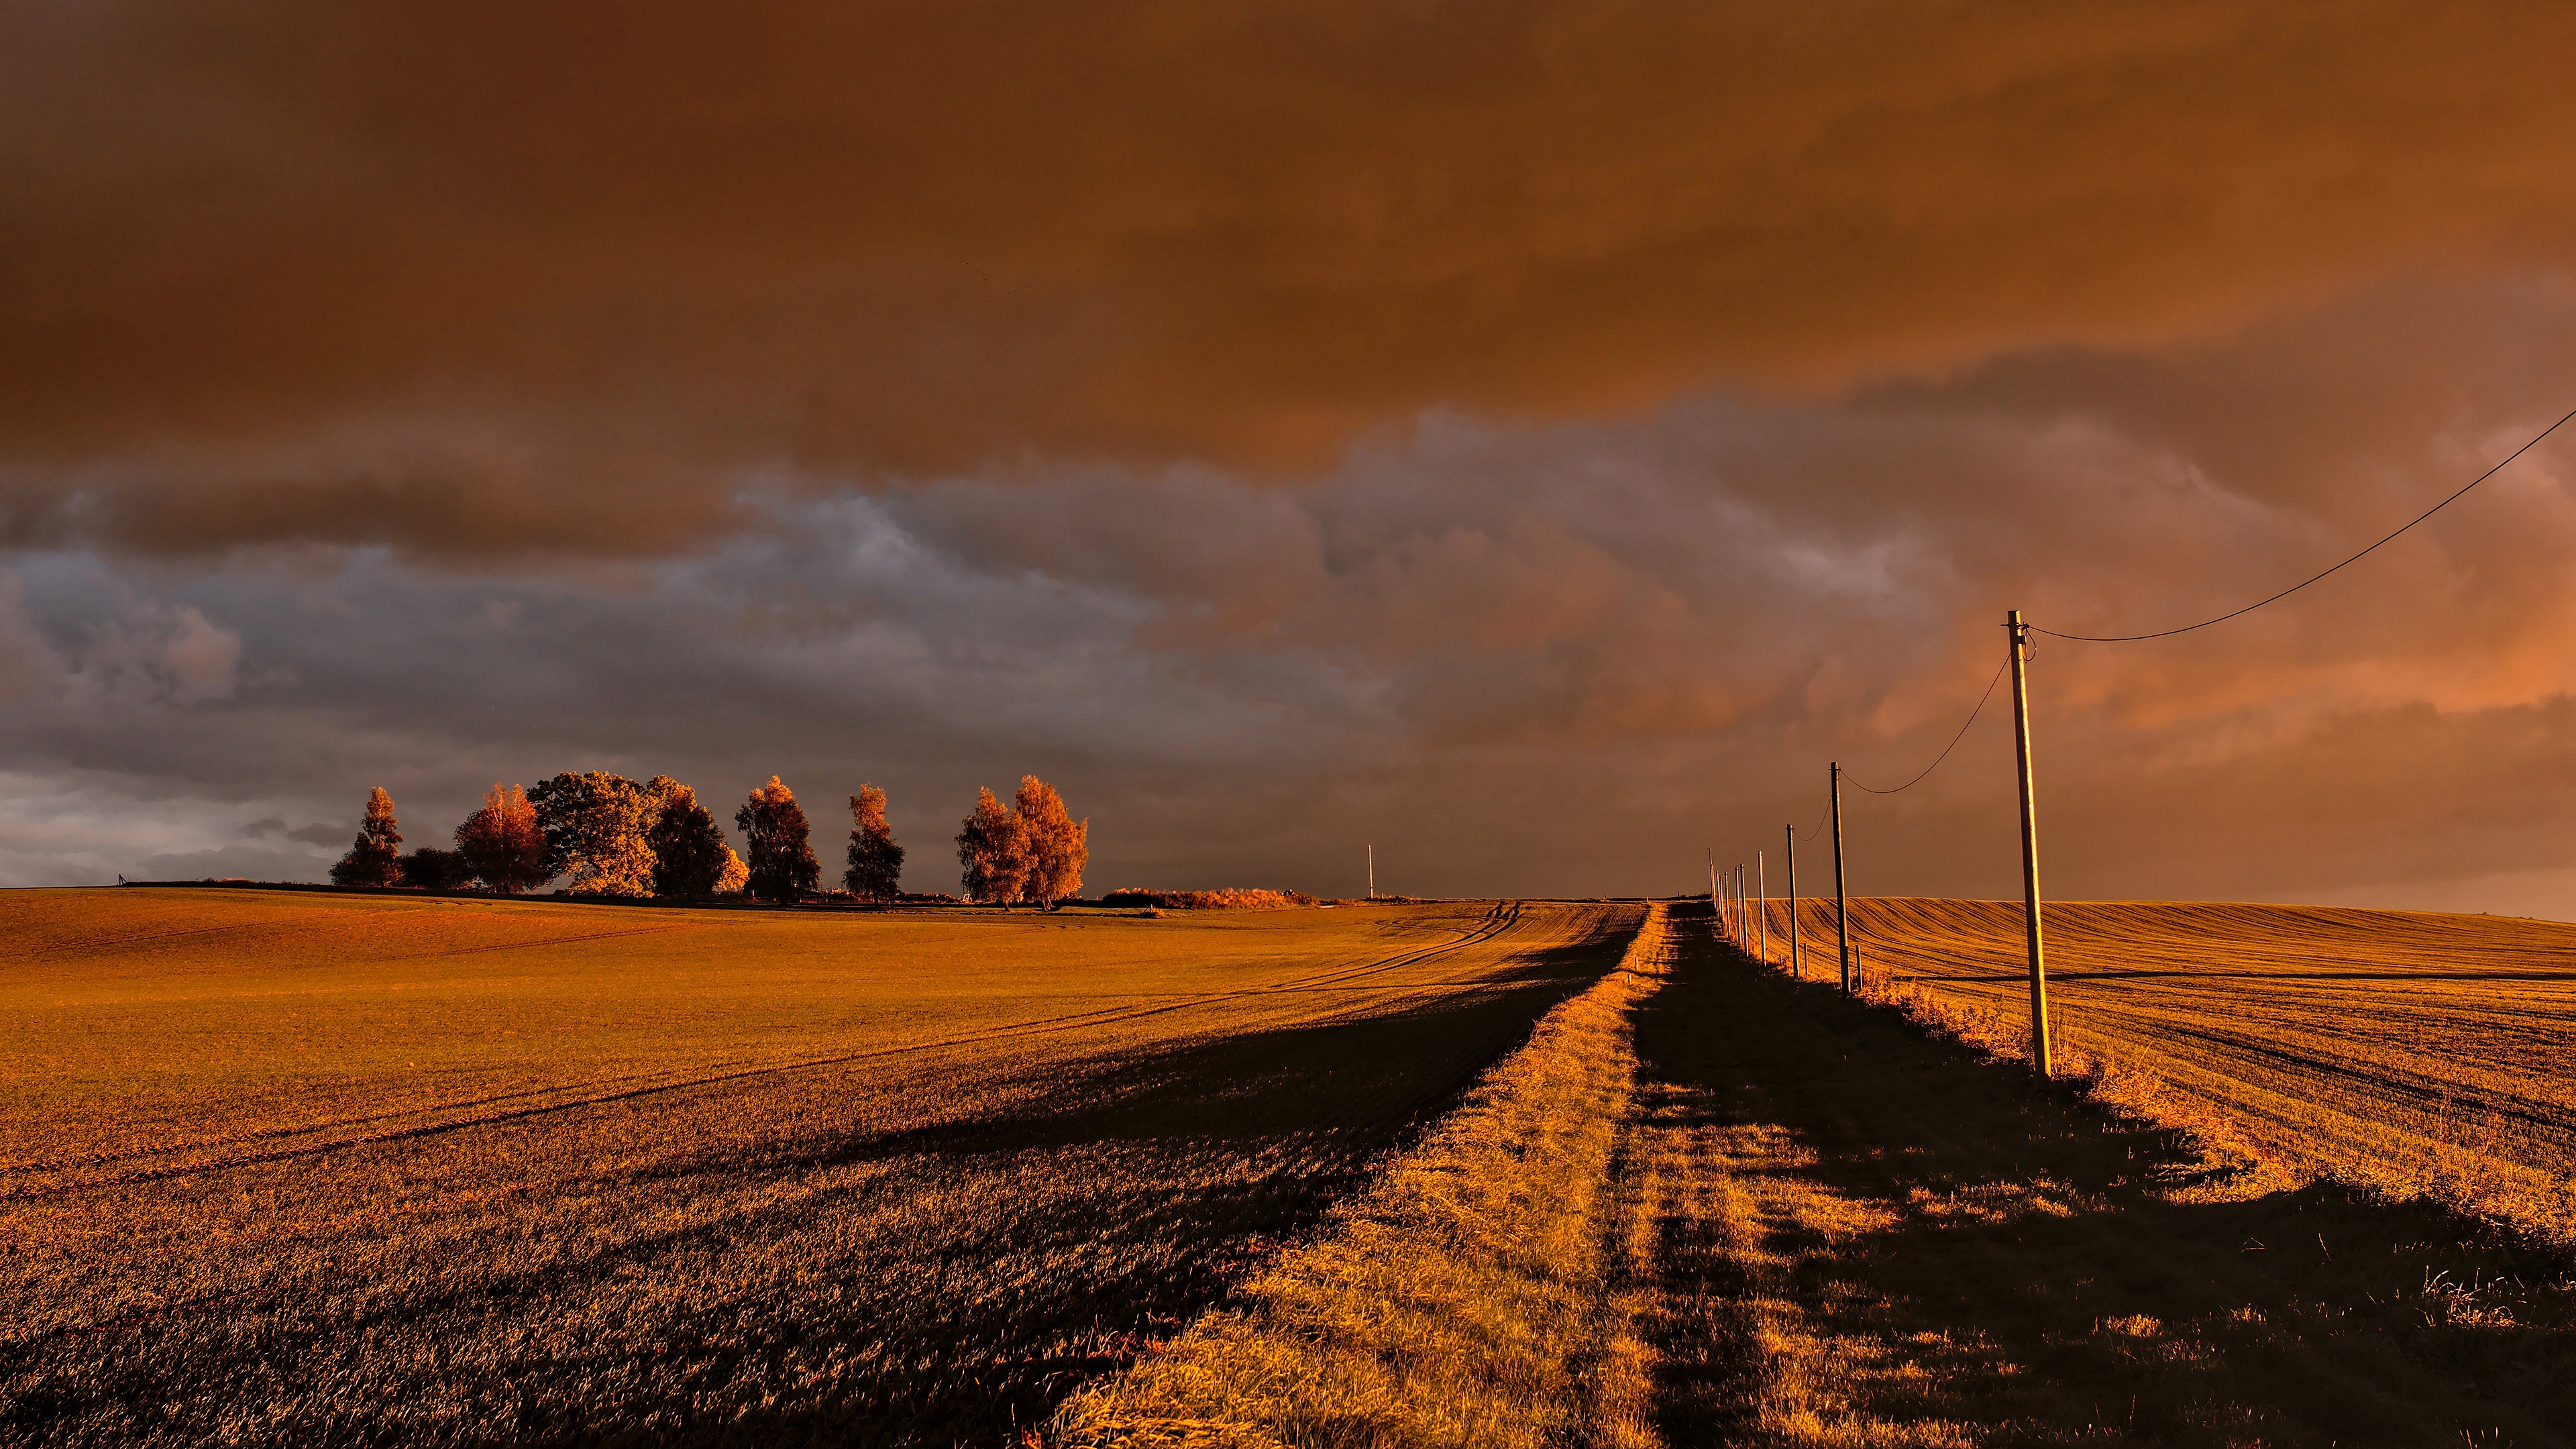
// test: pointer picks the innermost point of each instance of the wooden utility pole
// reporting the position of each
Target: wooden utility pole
(1842, 907)
(2020, 638)
(1795, 967)
(1712, 882)
(1762, 904)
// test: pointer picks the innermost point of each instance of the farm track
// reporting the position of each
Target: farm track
(1868, 1237)
(923, 1243)
(589, 1094)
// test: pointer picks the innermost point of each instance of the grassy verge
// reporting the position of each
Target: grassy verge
(1474, 1296)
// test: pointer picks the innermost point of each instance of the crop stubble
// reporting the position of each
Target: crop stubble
(378, 1169)
(2409, 1052)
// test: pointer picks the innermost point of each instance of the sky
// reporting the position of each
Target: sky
(1530, 439)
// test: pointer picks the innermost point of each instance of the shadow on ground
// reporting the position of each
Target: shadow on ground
(933, 1286)
(1913, 1245)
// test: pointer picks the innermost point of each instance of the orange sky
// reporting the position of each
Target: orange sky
(1535, 436)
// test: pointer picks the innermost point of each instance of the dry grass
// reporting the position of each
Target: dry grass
(298, 1168)
(1475, 1295)
(2407, 1053)
(1867, 1235)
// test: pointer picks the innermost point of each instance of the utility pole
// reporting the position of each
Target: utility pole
(1712, 882)
(1743, 913)
(1372, 850)
(1795, 968)
(2020, 638)
(1842, 907)
(1762, 904)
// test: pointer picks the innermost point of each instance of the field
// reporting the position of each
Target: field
(366, 1169)
(373, 1170)
(1871, 1235)
(2412, 1052)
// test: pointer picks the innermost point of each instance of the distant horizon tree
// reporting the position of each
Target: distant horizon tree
(876, 862)
(689, 851)
(595, 825)
(1054, 845)
(433, 869)
(780, 850)
(992, 852)
(502, 844)
(375, 858)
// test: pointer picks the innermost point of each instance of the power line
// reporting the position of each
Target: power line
(2303, 583)
(1954, 739)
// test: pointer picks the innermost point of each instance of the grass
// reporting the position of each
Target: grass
(2412, 1054)
(1473, 1296)
(301, 1167)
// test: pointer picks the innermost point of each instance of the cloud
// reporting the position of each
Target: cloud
(1522, 657)
(470, 283)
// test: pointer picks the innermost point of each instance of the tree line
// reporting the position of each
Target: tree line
(613, 836)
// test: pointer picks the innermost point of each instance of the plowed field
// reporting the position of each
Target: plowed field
(280, 1168)
(2411, 1051)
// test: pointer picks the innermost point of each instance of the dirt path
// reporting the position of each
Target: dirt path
(1870, 1238)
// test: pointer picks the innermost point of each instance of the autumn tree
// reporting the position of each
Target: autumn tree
(595, 826)
(502, 844)
(735, 877)
(689, 852)
(876, 862)
(781, 855)
(375, 859)
(1054, 845)
(993, 852)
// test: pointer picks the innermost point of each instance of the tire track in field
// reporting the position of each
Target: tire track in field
(1497, 922)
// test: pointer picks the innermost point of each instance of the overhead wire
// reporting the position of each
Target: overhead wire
(1945, 752)
(2303, 583)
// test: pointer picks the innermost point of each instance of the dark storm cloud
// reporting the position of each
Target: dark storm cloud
(1530, 437)
(1514, 656)
(467, 280)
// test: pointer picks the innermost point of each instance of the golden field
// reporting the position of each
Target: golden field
(290, 1168)
(1864, 1234)
(2411, 1052)
(367, 1168)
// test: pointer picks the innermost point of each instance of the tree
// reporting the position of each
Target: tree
(1055, 845)
(433, 869)
(876, 862)
(375, 858)
(992, 849)
(502, 844)
(781, 857)
(595, 825)
(689, 852)
(734, 877)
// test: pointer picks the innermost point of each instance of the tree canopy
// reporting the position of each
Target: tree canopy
(595, 826)
(375, 858)
(876, 862)
(991, 853)
(502, 844)
(689, 852)
(1054, 844)
(781, 853)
